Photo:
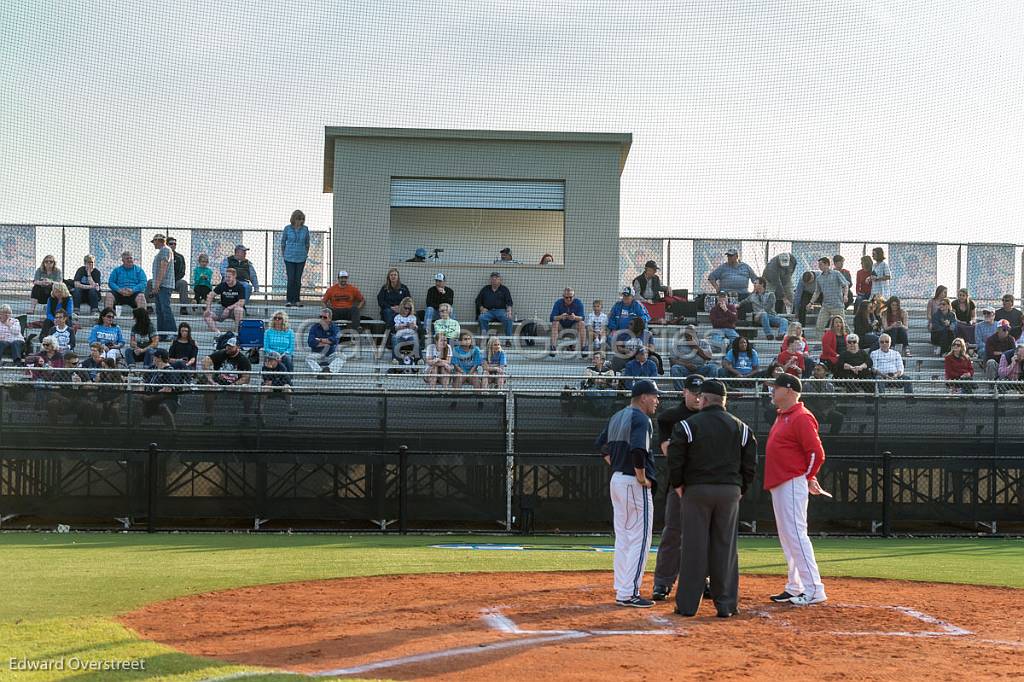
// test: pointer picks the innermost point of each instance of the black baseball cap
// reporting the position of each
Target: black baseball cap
(788, 381)
(693, 382)
(651, 264)
(714, 387)
(645, 388)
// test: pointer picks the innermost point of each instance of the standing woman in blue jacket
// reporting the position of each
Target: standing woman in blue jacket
(295, 251)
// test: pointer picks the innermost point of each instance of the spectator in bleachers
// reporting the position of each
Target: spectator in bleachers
(275, 381)
(566, 313)
(62, 331)
(894, 323)
(12, 339)
(641, 366)
(791, 357)
(867, 325)
(245, 270)
(232, 302)
(143, 340)
(1012, 315)
(622, 314)
(863, 283)
(817, 396)
(638, 338)
(505, 257)
(202, 279)
(995, 346)
(547, 259)
(438, 358)
(740, 362)
(854, 363)
(46, 275)
(888, 365)
(159, 393)
(596, 324)
(467, 361)
(390, 297)
(437, 295)
(881, 276)
(87, 285)
(762, 307)
(983, 329)
(599, 376)
(69, 398)
(406, 340)
(419, 256)
(1010, 364)
(163, 284)
(837, 264)
(344, 300)
(941, 294)
(830, 289)
(833, 341)
(494, 364)
(294, 252)
(446, 324)
(228, 368)
(94, 362)
(108, 333)
(127, 284)
(732, 276)
(494, 304)
(60, 299)
(958, 367)
(49, 355)
(180, 275)
(183, 348)
(802, 297)
(322, 341)
(647, 285)
(778, 277)
(966, 316)
(943, 328)
(723, 322)
(279, 338)
(796, 330)
(111, 382)
(691, 355)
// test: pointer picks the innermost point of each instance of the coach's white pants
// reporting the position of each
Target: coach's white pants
(789, 500)
(633, 508)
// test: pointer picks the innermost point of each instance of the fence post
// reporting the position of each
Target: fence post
(959, 277)
(887, 494)
(403, 502)
(151, 483)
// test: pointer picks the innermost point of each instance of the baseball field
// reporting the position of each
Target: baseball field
(245, 606)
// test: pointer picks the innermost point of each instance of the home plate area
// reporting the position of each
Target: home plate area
(565, 625)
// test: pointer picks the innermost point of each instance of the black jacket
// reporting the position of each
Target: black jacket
(640, 283)
(712, 447)
(668, 419)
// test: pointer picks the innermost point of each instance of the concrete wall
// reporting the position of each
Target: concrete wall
(364, 166)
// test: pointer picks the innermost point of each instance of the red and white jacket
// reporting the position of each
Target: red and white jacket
(794, 448)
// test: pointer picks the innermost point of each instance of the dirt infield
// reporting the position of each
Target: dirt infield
(565, 626)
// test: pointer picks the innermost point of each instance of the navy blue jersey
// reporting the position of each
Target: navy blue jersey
(629, 429)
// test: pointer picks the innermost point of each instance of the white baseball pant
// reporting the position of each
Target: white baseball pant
(633, 507)
(789, 501)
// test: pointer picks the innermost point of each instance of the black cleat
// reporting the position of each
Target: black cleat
(661, 592)
(781, 597)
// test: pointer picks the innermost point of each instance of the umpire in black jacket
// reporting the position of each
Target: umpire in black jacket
(712, 460)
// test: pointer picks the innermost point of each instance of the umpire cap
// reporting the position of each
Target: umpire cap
(714, 387)
(788, 381)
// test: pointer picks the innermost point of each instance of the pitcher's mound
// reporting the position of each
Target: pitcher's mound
(566, 626)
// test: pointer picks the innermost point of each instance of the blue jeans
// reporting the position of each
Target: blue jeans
(718, 336)
(91, 297)
(17, 348)
(245, 285)
(388, 315)
(768, 321)
(707, 371)
(496, 315)
(908, 387)
(293, 271)
(164, 315)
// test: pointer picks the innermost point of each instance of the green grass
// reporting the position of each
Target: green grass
(63, 591)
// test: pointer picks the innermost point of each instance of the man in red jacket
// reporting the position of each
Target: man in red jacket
(793, 456)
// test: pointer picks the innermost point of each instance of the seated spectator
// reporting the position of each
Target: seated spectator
(1012, 315)
(943, 328)
(494, 364)
(547, 259)
(279, 338)
(275, 382)
(959, 368)
(723, 322)
(863, 284)
(762, 307)
(87, 285)
(438, 295)
(818, 397)
(995, 346)
(143, 340)
(983, 329)
(599, 376)
(802, 297)
(127, 284)
(894, 323)
(791, 357)
(419, 256)
(231, 294)
(647, 285)
(941, 294)
(640, 337)
(446, 324)
(494, 304)
(566, 313)
(67, 396)
(888, 365)
(639, 367)
(183, 348)
(833, 341)
(467, 361)
(12, 340)
(108, 333)
(406, 340)
(344, 300)
(49, 355)
(245, 270)
(322, 340)
(227, 368)
(778, 277)
(60, 299)
(505, 257)
(438, 357)
(740, 362)
(622, 314)
(62, 331)
(93, 363)
(390, 297)
(691, 355)
(867, 325)
(854, 363)
(596, 323)
(47, 274)
(1010, 364)
(966, 316)
(161, 388)
(202, 279)
(111, 383)
(732, 276)
(796, 330)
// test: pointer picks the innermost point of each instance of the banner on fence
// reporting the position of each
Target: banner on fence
(217, 244)
(313, 275)
(108, 243)
(990, 270)
(914, 269)
(807, 254)
(17, 252)
(633, 253)
(708, 254)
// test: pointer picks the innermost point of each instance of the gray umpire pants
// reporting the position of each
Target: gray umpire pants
(666, 569)
(710, 520)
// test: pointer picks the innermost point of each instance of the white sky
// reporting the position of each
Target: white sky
(830, 119)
